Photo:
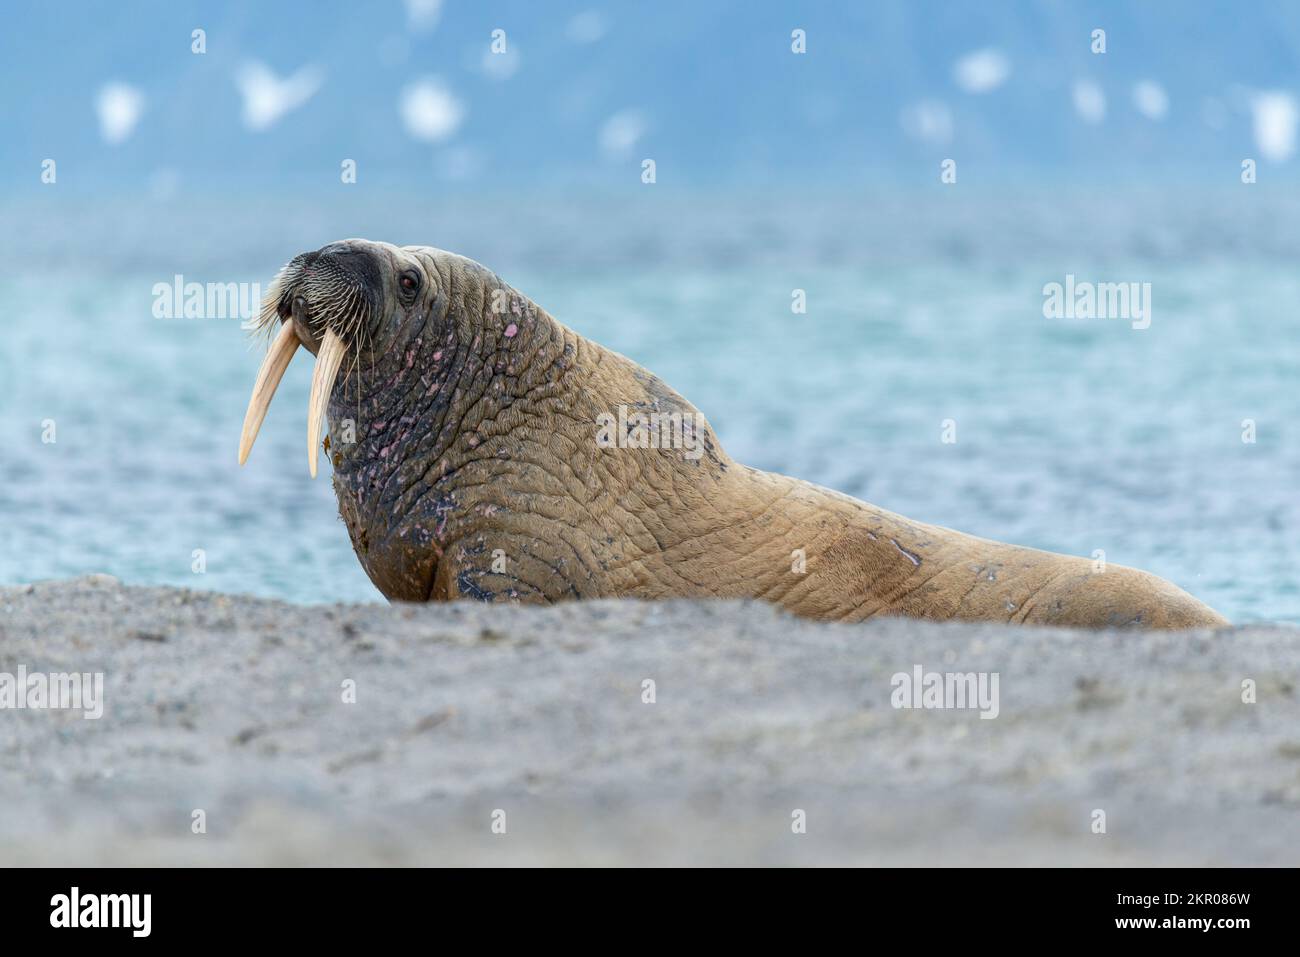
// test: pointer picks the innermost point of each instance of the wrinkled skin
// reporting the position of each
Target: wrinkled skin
(475, 472)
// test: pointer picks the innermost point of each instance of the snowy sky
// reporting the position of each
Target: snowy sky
(487, 95)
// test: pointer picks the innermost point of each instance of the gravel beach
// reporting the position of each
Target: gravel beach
(372, 734)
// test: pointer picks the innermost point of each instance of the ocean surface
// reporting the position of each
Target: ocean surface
(924, 321)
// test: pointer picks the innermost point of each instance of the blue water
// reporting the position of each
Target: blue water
(1071, 435)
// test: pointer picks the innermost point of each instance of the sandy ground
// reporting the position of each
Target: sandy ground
(235, 707)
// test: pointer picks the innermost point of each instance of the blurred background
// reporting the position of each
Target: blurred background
(130, 156)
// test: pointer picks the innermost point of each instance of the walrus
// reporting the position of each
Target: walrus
(483, 450)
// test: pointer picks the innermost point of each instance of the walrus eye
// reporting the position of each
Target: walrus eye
(410, 282)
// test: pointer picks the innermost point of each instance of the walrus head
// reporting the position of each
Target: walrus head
(420, 355)
(338, 301)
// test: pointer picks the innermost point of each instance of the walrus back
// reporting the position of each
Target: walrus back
(855, 561)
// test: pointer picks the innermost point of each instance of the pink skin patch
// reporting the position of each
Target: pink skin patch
(511, 330)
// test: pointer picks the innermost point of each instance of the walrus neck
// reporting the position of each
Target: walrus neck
(434, 406)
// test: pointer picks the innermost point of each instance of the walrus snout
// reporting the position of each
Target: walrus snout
(359, 261)
(326, 300)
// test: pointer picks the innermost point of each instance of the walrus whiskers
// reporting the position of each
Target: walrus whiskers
(339, 310)
(344, 307)
(272, 301)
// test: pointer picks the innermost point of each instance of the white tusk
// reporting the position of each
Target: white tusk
(268, 380)
(328, 360)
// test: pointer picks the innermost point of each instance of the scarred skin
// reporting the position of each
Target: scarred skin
(475, 472)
